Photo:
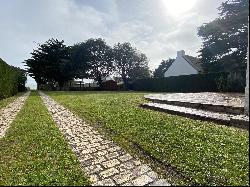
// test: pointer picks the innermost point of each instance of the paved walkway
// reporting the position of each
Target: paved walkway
(8, 113)
(101, 159)
(225, 99)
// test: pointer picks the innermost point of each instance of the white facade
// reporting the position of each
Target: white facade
(180, 66)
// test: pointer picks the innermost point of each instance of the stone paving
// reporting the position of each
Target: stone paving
(224, 108)
(102, 160)
(8, 113)
(240, 121)
(225, 99)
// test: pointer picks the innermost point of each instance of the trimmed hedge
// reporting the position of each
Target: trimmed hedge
(12, 80)
(110, 85)
(212, 82)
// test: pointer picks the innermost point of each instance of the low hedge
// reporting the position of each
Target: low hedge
(12, 80)
(212, 82)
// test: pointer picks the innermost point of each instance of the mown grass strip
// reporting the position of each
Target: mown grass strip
(34, 152)
(207, 153)
(5, 102)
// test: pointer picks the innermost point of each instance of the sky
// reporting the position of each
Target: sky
(158, 28)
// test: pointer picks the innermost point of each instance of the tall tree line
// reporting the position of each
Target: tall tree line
(54, 62)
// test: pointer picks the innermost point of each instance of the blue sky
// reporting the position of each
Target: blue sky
(157, 28)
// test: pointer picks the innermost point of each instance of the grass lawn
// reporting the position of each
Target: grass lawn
(205, 153)
(34, 152)
(5, 102)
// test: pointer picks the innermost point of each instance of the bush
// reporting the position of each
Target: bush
(109, 85)
(12, 80)
(212, 82)
(234, 82)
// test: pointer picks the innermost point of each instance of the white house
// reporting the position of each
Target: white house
(83, 83)
(183, 65)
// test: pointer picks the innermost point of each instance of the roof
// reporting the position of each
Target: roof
(169, 63)
(107, 78)
(194, 62)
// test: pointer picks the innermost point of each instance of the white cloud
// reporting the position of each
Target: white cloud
(145, 23)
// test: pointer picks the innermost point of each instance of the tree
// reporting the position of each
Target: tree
(94, 59)
(163, 67)
(21, 78)
(140, 69)
(225, 38)
(51, 63)
(129, 62)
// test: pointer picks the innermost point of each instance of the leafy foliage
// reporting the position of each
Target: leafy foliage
(94, 59)
(163, 67)
(12, 80)
(50, 63)
(211, 82)
(53, 62)
(206, 153)
(225, 39)
(129, 62)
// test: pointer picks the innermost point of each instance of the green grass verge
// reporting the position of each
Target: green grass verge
(5, 102)
(206, 153)
(34, 152)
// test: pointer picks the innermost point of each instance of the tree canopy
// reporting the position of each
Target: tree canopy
(94, 58)
(129, 63)
(225, 38)
(163, 67)
(54, 62)
(50, 63)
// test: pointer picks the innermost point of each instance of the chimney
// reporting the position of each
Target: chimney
(180, 53)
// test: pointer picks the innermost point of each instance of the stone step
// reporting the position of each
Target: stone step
(240, 121)
(196, 104)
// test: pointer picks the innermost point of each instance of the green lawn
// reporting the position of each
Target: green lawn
(5, 102)
(205, 153)
(34, 152)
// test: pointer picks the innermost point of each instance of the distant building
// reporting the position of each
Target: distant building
(83, 83)
(184, 65)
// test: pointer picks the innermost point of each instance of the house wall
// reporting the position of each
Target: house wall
(180, 67)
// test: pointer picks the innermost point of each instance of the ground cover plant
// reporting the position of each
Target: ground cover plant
(205, 153)
(34, 152)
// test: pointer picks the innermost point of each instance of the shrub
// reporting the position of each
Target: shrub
(12, 80)
(212, 82)
(109, 85)
(233, 82)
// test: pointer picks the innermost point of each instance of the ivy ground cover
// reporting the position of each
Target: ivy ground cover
(205, 153)
(34, 152)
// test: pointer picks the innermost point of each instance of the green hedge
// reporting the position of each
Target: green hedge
(12, 80)
(212, 82)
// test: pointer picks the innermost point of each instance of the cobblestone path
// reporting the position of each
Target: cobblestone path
(8, 113)
(101, 159)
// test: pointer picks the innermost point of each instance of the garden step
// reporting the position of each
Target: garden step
(240, 121)
(197, 103)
